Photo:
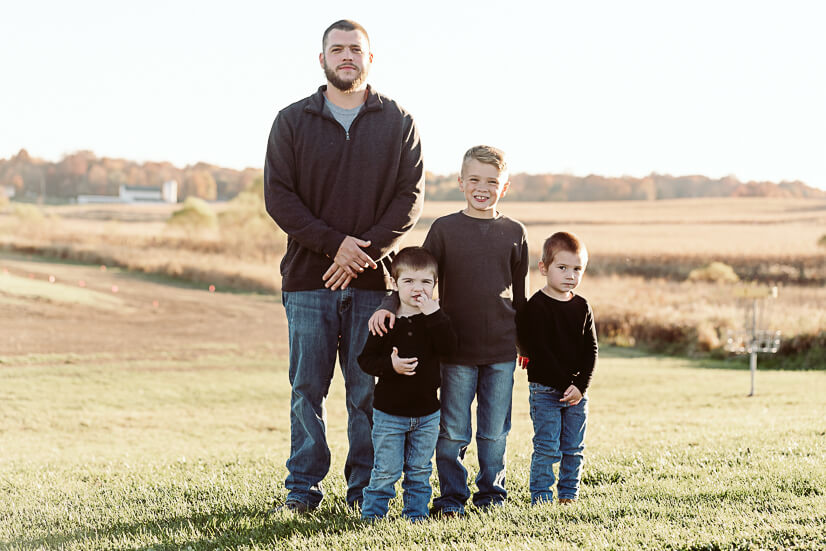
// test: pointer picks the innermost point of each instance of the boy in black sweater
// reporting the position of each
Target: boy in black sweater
(405, 404)
(557, 334)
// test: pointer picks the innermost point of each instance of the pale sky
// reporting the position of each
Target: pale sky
(584, 87)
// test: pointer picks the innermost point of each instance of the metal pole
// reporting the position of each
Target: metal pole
(753, 357)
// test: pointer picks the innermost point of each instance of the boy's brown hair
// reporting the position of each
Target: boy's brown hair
(414, 258)
(563, 241)
(488, 155)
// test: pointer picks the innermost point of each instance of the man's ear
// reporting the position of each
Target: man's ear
(321, 59)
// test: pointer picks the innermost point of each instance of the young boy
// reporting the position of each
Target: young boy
(483, 268)
(405, 404)
(557, 334)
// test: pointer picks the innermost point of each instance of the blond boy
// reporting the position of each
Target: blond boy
(483, 267)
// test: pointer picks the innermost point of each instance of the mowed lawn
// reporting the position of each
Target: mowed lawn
(189, 454)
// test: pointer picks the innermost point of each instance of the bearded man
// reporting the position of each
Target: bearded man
(344, 179)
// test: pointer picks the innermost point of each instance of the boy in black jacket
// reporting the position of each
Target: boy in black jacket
(405, 403)
(557, 334)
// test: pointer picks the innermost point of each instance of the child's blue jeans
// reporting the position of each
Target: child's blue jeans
(559, 435)
(492, 387)
(401, 444)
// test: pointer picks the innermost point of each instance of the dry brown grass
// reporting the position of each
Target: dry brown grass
(702, 227)
(138, 239)
(651, 245)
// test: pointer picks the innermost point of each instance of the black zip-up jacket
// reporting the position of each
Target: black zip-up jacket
(322, 184)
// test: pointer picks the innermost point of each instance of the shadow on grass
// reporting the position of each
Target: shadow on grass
(220, 530)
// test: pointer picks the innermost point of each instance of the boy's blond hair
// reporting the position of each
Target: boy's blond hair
(488, 155)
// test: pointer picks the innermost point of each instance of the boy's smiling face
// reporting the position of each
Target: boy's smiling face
(483, 186)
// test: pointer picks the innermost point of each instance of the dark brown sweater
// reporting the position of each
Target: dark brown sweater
(483, 269)
(322, 184)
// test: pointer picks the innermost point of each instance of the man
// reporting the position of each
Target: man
(344, 179)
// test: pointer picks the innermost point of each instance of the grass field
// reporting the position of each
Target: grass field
(156, 417)
(99, 453)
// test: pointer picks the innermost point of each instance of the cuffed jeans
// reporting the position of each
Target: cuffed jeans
(492, 386)
(322, 323)
(559, 435)
(401, 444)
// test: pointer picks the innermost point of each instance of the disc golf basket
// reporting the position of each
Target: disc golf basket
(755, 336)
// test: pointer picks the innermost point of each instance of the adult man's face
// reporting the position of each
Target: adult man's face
(346, 60)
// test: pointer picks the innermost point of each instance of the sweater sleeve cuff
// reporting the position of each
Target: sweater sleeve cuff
(332, 242)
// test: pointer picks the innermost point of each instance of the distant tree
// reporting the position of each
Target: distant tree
(97, 180)
(199, 183)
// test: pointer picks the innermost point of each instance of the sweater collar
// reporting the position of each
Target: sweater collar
(316, 103)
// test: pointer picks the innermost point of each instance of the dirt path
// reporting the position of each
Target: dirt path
(56, 308)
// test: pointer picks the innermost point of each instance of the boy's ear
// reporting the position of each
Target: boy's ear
(393, 283)
(542, 268)
(505, 188)
(461, 183)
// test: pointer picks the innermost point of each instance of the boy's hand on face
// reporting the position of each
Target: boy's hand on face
(572, 396)
(376, 322)
(403, 366)
(427, 305)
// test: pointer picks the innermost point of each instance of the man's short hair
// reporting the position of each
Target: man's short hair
(563, 241)
(343, 25)
(488, 155)
(414, 258)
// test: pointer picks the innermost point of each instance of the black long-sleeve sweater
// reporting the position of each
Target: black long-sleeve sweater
(322, 183)
(426, 338)
(560, 339)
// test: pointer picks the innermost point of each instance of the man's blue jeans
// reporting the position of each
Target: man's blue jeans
(492, 386)
(401, 444)
(322, 323)
(559, 435)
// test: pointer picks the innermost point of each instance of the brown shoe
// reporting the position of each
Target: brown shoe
(442, 514)
(566, 501)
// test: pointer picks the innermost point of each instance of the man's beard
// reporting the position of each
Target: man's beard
(345, 86)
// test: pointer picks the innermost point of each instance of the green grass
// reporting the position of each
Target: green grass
(174, 454)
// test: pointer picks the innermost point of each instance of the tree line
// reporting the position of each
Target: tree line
(83, 173)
